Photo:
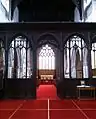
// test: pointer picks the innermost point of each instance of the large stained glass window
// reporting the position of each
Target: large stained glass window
(2, 56)
(2, 63)
(20, 59)
(75, 58)
(93, 60)
(46, 58)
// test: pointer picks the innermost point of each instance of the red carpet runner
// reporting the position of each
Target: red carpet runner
(47, 109)
(47, 106)
(47, 92)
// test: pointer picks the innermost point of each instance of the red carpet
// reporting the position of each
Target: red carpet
(47, 106)
(47, 109)
(47, 92)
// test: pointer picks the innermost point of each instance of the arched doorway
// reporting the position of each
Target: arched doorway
(46, 69)
(47, 66)
(46, 72)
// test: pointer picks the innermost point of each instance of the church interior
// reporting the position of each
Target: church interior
(47, 59)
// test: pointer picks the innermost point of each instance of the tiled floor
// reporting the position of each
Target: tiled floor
(47, 109)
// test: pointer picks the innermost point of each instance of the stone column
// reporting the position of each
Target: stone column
(34, 81)
(57, 63)
(89, 56)
(61, 64)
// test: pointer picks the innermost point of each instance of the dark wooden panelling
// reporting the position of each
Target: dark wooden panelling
(67, 88)
(26, 88)
(20, 88)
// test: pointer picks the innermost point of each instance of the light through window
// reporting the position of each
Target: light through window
(20, 59)
(75, 58)
(93, 59)
(5, 3)
(46, 58)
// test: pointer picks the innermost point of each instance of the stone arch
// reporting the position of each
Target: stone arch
(20, 57)
(47, 38)
(24, 36)
(75, 34)
(53, 43)
(71, 46)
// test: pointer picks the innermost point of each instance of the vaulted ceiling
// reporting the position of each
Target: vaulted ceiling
(46, 10)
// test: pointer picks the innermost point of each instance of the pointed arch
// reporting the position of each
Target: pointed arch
(20, 60)
(46, 63)
(46, 58)
(23, 36)
(48, 38)
(76, 57)
(80, 35)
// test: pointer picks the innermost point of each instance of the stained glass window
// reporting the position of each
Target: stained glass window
(93, 59)
(2, 63)
(75, 58)
(20, 59)
(46, 58)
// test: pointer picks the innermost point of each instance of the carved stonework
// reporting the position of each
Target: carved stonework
(47, 39)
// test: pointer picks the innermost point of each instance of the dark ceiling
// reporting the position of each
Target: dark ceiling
(46, 10)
